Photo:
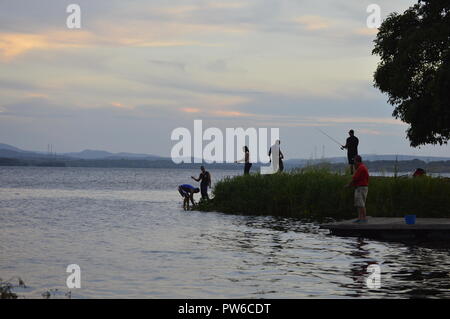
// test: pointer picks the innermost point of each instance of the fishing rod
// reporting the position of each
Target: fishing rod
(329, 137)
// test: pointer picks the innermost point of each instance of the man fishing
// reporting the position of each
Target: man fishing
(205, 181)
(187, 192)
(361, 183)
(352, 149)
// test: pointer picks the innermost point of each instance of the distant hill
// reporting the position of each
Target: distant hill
(9, 148)
(97, 154)
(9, 151)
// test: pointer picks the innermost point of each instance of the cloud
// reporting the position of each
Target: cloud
(369, 131)
(16, 44)
(228, 4)
(190, 110)
(350, 120)
(230, 114)
(37, 95)
(121, 106)
(169, 64)
(312, 22)
(365, 31)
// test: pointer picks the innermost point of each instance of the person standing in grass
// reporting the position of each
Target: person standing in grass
(352, 149)
(274, 149)
(360, 181)
(246, 160)
(205, 181)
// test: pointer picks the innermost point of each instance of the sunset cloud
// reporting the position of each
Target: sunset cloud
(190, 110)
(230, 114)
(37, 95)
(312, 22)
(16, 44)
(121, 105)
(366, 31)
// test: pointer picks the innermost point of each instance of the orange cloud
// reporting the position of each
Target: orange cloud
(366, 31)
(120, 105)
(312, 23)
(16, 44)
(190, 110)
(230, 113)
(12, 45)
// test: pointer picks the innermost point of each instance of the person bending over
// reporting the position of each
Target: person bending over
(187, 192)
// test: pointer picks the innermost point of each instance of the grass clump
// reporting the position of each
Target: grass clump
(318, 194)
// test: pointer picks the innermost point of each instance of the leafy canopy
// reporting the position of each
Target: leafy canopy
(414, 70)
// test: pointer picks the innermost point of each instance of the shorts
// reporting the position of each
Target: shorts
(361, 196)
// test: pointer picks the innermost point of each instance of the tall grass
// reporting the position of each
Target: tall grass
(318, 193)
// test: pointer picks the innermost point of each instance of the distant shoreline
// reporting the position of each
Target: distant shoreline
(404, 166)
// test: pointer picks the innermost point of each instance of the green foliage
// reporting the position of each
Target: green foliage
(318, 194)
(414, 71)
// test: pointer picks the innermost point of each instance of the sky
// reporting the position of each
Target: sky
(136, 70)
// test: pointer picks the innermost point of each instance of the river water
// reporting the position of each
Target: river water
(127, 231)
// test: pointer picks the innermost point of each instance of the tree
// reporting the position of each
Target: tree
(414, 70)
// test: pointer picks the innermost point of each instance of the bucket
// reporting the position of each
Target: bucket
(410, 219)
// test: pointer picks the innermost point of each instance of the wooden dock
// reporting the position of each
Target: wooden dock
(390, 228)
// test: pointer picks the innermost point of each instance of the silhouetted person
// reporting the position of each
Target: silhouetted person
(246, 160)
(352, 149)
(273, 150)
(205, 181)
(187, 191)
(361, 183)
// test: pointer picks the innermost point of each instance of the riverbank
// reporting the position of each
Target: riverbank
(320, 194)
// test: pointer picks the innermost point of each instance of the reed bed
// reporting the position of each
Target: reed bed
(318, 194)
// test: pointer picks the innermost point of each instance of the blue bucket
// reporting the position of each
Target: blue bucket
(410, 219)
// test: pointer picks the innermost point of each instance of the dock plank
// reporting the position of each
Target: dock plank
(392, 228)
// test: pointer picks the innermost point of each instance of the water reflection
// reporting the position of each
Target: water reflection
(286, 244)
(358, 270)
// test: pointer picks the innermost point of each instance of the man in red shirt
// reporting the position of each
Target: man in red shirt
(360, 181)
